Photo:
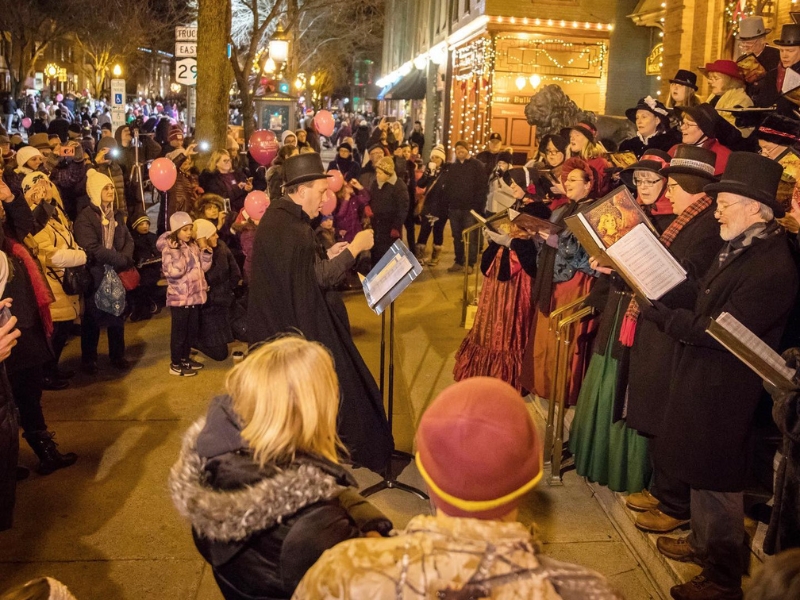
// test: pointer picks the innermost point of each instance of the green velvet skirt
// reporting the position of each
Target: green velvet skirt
(607, 453)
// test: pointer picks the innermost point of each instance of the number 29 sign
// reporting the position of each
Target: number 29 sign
(186, 71)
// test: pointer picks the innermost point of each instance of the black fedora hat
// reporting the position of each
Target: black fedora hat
(692, 160)
(790, 36)
(684, 77)
(704, 115)
(303, 168)
(752, 176)
(779, 130)
(651, 105)
(652, 160)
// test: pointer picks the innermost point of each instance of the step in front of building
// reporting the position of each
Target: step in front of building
(662, 572)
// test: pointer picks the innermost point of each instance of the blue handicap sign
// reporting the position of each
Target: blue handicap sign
(117, 98)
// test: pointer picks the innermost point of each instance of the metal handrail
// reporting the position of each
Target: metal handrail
(465, 240)
(554, 435)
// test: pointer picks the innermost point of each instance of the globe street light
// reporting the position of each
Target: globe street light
(116, 71)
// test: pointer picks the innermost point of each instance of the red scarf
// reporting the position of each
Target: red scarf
(628, 329)
(41, 290)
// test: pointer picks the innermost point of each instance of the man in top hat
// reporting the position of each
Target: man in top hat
(288, 293)
(703, 442)
(752, 39)
(693, 239)
(777, 139)
(480, 454)
(651, 118)
(789, 50)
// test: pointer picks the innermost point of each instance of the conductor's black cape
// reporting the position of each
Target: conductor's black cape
(286, 296)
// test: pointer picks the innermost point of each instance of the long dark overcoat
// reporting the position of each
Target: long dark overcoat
(285, 295)
(653, 351)
(704, 437)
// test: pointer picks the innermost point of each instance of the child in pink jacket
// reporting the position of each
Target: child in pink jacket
(184, 263)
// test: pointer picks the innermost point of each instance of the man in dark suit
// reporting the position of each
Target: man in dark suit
(708, 419)
(752, 39)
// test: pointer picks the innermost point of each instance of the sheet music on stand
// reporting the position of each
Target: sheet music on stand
(390, 277)
(752, 351)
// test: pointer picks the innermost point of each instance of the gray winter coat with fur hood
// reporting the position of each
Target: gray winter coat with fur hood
(262, 528)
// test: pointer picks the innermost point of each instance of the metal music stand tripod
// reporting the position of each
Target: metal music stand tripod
(398, 250)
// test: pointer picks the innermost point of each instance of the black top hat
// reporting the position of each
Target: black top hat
(687, 78)
(303, 168)
(779, 130)
(652, 105)
(752, 176)
(692, 160)
(652, 160)
(790, 36)
(704, 115)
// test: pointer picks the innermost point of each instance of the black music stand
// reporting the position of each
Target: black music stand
(387, 280)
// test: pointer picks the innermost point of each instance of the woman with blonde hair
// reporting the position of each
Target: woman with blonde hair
(584, 144)
(727, 90)
(222, 179)
(260, 477)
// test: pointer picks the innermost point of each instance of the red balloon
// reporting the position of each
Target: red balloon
(330, 203)
(335, 182)
(264, 146)
(324, 123)
(256, 204)
(163, 174)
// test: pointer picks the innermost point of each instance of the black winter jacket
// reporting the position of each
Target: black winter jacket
(88, 232)
(261, 529)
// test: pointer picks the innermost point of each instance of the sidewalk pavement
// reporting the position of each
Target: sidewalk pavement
(106, 526)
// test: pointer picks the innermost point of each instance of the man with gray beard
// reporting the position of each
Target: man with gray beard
(703, 445)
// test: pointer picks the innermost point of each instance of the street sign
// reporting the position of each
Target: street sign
(186, 34)
(117, 103)
(186, 71)
(185, 49)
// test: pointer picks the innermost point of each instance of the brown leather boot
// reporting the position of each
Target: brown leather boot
(678, 549)
(700, 588)
(656, 521)
(641, 501)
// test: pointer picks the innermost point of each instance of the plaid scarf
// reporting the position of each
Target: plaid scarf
(737, 245)
(628, 329)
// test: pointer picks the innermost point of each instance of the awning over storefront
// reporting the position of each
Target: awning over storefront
(409, 87)
(649, 13)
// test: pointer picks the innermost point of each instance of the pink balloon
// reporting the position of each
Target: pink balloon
(163, 174)
(256, 204)
(324, 123)
(330, 203)
(335, 182)
(59, 97)
(263, 146)
(26, 122)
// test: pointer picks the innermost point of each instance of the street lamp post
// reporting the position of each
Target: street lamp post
(116, 71)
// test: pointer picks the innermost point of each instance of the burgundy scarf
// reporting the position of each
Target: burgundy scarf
(628, 330)
(41, 290)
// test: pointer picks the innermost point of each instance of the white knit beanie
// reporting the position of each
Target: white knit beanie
(26, 153)
(438, 150)
(95, 182)
(204, 228)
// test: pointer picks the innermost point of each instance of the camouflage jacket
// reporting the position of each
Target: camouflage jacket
(449, 558)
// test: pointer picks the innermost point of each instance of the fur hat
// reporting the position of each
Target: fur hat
(179, 220)
(203, 228)
(438, 150)
(26, 153)
(478, 449)
(206, 200)
(386, 164)
(95, 182)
